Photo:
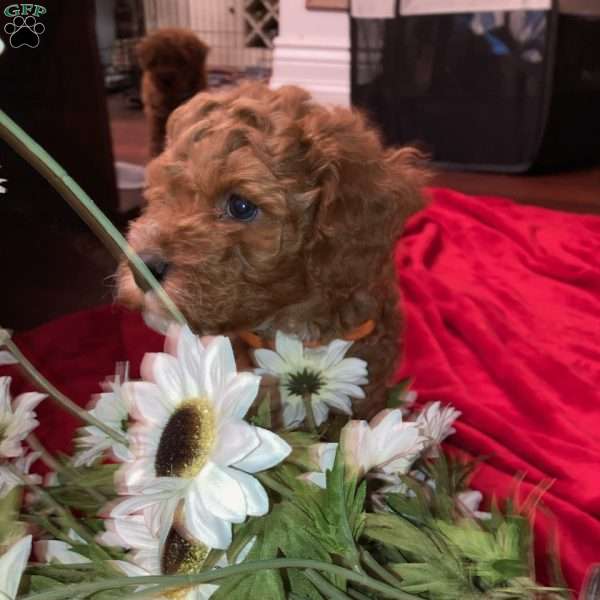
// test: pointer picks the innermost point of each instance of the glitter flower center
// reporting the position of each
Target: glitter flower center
(305, 382)
(180, 557)
(187, 440)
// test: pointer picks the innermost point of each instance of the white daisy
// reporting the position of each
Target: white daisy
(324, 456)
(112, 409)
(323, 373)
(17, 419)
(12, 565)
(192, 449)
(9, 480)
(386, 444)
(147, 557)
(48, 551)
(435, 423)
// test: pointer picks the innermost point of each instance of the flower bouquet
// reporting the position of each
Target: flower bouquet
(200, 481)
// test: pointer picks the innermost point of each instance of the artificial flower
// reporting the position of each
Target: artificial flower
(148, 557)
(324, 456)
(112, 409)
(192, 449)
(436, 422)
(49, 551)
(323, 374)
(9, 480)
(386, 444)
(468, 503)
(17, 419)
(6, 358)
(12, 565)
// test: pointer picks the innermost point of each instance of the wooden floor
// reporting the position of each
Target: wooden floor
(76, 273)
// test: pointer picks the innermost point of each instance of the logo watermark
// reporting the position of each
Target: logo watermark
(25, 29)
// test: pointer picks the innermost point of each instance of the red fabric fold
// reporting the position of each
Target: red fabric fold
(502, 306)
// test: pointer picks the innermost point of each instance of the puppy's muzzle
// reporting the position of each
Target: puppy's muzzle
(157, 265)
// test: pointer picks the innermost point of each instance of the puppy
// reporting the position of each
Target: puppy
(267, 212)
(173, 63)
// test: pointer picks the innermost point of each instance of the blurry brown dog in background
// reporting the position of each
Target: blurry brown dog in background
(173, 63)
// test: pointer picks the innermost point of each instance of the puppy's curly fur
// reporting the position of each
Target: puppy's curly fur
(318, 259)
(173, 63)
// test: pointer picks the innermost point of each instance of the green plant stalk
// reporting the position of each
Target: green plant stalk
(324, 586)
(310, 415)
(82, 204)
(269, 482)
(163, 582)
(70, 406)
(378, 569)
(58, 467)
(65, 513)
(357, 595)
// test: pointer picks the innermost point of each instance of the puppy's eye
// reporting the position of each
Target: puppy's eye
(241, 209)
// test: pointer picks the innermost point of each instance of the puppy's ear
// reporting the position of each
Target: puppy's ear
(198, 51)
(366, 194)
(145, 52)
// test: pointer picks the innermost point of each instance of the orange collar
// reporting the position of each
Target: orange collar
(358, 333)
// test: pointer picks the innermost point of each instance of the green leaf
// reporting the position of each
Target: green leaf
(395, 531)
(262, 418)
(438, 582)
(396, 395)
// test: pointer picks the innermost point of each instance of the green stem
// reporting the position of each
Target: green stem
(324, 586)
(357, 595)
(38, 379)
(58, 467)
(82, 204)
(378, 569)
(310, 416)
(163, 582)
(274, 485)
(62, 511)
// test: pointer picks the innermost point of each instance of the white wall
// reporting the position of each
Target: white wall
(313, 51)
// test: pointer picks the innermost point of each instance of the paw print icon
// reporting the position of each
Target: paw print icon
(24, 31)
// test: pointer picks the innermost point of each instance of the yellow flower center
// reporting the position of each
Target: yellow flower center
(180, 557)
(187, 440)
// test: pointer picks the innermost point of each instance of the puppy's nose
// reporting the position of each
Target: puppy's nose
(156, 264)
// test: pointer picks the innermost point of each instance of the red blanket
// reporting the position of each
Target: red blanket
(502, 306)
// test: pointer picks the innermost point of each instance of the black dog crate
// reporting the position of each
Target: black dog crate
(502, 91)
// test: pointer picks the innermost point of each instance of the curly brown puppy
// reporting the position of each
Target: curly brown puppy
(173, 62)
(267, 211)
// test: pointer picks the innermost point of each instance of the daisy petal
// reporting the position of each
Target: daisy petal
(293, 411)
(219, 366)
(270, 361)
(335, 353)
(236, 439)
(271, 451)
(221, 494)
(147, 401)
(320, 412)
(257, 500)
(12, 565)
(165, 371)
(238, 396)
(289, 348)
(202, 525)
